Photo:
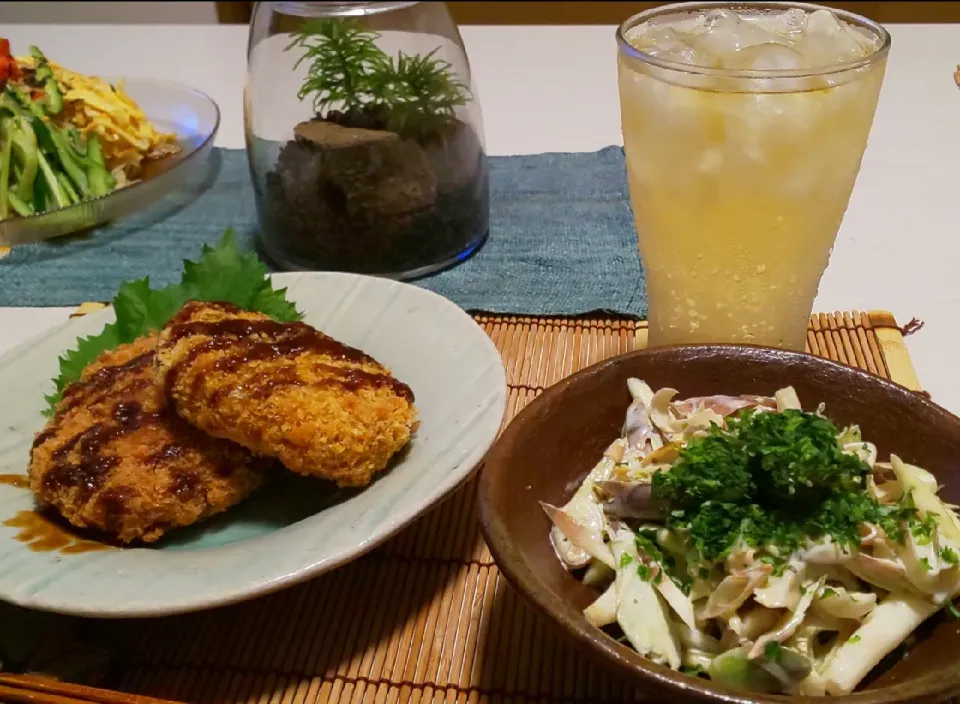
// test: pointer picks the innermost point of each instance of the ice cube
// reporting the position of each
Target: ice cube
(764, 57)
(721, 16)
(827, 41)
(866, 39)
(666, 44)
(791, 23)
(823, 22)
(730, 34)
(761, 123)
(670, 45)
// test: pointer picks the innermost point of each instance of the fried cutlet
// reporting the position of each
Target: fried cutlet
(284, 390)
(116, 459)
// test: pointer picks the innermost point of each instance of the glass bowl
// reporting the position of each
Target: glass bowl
(193, 116)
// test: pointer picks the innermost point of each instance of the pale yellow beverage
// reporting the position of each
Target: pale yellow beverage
(744, 128)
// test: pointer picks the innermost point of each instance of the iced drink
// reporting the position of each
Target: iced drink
(743, 127)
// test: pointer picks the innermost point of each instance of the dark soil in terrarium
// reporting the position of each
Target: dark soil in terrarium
(349, 195)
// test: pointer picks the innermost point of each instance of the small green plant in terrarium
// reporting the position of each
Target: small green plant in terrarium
(349, 74)
(385, 176)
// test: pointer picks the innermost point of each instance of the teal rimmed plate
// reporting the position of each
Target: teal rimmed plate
(295, 528)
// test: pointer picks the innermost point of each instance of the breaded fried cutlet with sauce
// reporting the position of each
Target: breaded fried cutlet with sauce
(114, 457)
(284, 390)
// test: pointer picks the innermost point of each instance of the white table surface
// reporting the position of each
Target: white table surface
(554, 89)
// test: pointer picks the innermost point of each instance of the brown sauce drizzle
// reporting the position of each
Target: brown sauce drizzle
(173, 375)
(103, 381)
(90, 469)
(260, 386)
(167, 453)
(42, 437)
(298, 336)
(252, 343)
(21, 481)
(113, 502)
(40, 534)
(130, 415)
(186, 485)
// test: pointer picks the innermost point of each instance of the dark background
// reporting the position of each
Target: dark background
(616, 12)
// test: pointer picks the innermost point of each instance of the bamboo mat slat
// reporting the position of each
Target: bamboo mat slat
(427, 617)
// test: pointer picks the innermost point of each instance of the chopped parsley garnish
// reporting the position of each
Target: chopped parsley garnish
(644, 572)
(771, 651)
(949, 555)
(773, 480)
(925, 564)
(854, 639)
(924, 529)
(625, 560)
(647, 547)
(649, 533)
(827, 593)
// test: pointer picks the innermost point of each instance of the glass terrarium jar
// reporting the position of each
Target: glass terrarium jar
(365, 138)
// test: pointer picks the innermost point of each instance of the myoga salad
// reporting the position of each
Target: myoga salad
(742, 539)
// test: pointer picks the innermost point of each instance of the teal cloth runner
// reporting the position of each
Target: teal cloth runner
(562, 241)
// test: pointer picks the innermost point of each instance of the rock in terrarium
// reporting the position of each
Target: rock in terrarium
(385, 179)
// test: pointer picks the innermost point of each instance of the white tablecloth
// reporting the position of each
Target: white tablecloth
(554, 89)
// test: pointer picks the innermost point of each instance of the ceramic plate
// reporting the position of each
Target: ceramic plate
(295, 528)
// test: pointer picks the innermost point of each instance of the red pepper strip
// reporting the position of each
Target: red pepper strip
(8, 65)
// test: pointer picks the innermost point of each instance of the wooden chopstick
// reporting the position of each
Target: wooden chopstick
(28, 689)
(15, 695)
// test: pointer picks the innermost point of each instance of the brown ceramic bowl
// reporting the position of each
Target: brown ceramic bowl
(552, 444)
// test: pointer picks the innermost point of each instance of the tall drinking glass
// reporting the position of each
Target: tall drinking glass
(744, 125)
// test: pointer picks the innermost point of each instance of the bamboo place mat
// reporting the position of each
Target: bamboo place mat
(427, 616)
